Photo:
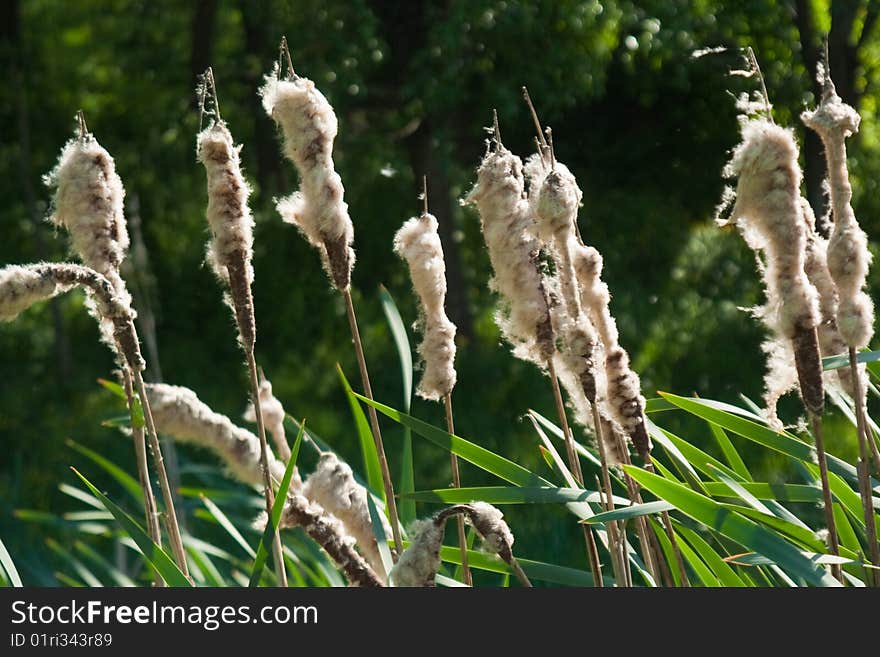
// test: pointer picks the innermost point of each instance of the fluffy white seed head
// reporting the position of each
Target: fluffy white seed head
(418, 243)
(831, 342)
(524, 318)
(229, 216)
(88, 203)
(333, 486)
(623, 397)
(178, 412)
(419, 563)
(22, 287)
(273, 418)
(768, 212)
(489, 523)
(318, 210)
(770, 215)
(848, 255)
(330, 534)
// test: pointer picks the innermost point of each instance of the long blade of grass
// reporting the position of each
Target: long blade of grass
(277, 509)
(407, 508)
(381, 538)
(154, 555)
(629, 512)
(842, 360)
(129, 483)
(510, 495)
(546, 572)
(733, 458)
(119, 578)
(734, 526)
(226, 523)
(365, 436)
(9, 566)
(722, 570)
(779, 441)
(470, 452)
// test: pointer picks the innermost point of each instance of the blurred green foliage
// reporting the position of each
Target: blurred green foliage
(644, 125)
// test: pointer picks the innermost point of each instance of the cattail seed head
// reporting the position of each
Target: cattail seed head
(418, 243)
(489, 523)
(273, 418)
(88, 203)
(848, 255)
(230, 251)
(309, 125)
(24, 286)
(229, 216)
(330, 534)
(419, 563)
(769, 214)
(21, 286)
(333, 486)
(178, 412)
(831, 342)
(624, 399)
(513, 251)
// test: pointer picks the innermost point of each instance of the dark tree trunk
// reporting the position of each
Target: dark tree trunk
(405, 29)
(844, 50)
(10, 38)
(258, 44)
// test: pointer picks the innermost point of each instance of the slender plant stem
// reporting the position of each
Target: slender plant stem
(456, 482)
(374, 424)
(277, 550)
(158, 462)
(593, 556)
(518, 571)
(650, 547)
(833, 544)
(864, 469)
(667, 525)
(574, 465)
(143, 468)
(613, 527)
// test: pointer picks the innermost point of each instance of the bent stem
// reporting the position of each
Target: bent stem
(277, 551)
(575, 467)
(374, 424)
(863, 465)
(833, 545)
(456, 482)
(143, 468)
(159, 463)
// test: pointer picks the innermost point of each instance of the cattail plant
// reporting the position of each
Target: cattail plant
(848, 262)
(418, 565)
(329, 532)
(555, 197)
(333, 486)
(523, 315)
(88, 203)
(309, 127)
(178, 412)
(769, 214)
(335, 503)
(831, 342)
(230, 252)
(418, 243)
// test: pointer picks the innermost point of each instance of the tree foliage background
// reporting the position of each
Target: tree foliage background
(644, 125)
